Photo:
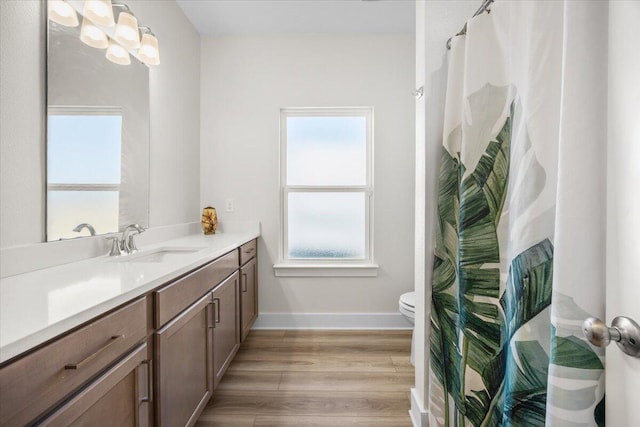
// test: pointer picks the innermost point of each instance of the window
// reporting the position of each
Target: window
(83, 169)
(327, 192)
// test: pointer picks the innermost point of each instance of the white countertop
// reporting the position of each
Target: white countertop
(40, 305)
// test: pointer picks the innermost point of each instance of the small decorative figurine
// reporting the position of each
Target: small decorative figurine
(209, 220)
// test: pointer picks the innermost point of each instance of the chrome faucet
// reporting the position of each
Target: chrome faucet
(86, 225)
(115, 246)
(127, 244)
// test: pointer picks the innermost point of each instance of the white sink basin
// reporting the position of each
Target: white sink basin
(160, 254)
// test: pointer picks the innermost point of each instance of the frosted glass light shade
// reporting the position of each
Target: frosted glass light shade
(92, 35)
(117, 54)
(62, 13)
(100, 12)
(149, 52)
(127, 31)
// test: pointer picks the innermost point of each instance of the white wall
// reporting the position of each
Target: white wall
(22, 131)
(245, 81)
(174, 110)
(175, 114)
(623, 205)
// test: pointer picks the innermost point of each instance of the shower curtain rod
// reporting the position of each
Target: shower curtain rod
(483, 8)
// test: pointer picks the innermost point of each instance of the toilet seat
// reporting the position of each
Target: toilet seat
(407, 304)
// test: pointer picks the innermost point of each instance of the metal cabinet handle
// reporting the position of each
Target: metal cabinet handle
(244, 281)
(211, 314)
(95, 354)
(624, 331)
(216, 302)
(147, 398)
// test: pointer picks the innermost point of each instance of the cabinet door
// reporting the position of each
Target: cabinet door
(248, 296)
(184, 365)
(120, 397)
(226, 331)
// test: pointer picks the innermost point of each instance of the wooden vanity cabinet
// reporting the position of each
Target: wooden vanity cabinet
(177, 296)
(248, 286)
(119, 397)
(201, 337)
(248, 296)
(44, 379)
(153, 361)
(226, 324)
(184, 365)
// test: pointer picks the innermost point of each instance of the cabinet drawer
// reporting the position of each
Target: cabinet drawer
(176, 297)
(119, 397)
(35, 383)
(248, 251)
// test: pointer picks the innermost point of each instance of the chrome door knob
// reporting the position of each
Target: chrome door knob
(624, 331)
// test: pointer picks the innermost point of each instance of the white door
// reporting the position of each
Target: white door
(623, 207)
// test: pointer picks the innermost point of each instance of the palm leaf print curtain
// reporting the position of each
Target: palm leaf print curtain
(519, 251)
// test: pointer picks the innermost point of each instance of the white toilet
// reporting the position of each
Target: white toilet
(407, 307)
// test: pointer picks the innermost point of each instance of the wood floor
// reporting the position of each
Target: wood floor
(316, 378)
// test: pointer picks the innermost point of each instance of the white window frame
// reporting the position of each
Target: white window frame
(322, 266)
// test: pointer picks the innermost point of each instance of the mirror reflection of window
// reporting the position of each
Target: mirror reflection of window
(83, 170)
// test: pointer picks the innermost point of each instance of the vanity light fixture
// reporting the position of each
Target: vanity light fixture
(117, 54)
(62, 13)
(126, 32)
(120, 42)
(100, 12)
(92, 35)
(149, 52)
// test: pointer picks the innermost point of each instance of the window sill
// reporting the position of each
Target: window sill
(326, 270)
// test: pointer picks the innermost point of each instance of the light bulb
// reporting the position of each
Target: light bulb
(117, 54)
(100, 12)
(92, 35)
(149, 52)
(61, 12)
(127, 31)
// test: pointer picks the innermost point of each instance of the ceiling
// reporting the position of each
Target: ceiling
(225, 17)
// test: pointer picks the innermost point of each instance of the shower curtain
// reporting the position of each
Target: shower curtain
(519, 251)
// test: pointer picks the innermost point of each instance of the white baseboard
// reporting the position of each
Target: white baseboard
(331, 321)
(419, 415)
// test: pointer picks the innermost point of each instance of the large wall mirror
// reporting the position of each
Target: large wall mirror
(97, 138)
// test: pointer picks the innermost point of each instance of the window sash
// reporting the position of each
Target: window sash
(368, 250)
(82, 187)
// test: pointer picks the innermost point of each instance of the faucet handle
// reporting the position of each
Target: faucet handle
(131, 244)
(116, 250)
(127, 244)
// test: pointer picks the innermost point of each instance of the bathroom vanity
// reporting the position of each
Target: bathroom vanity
(151, 354)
